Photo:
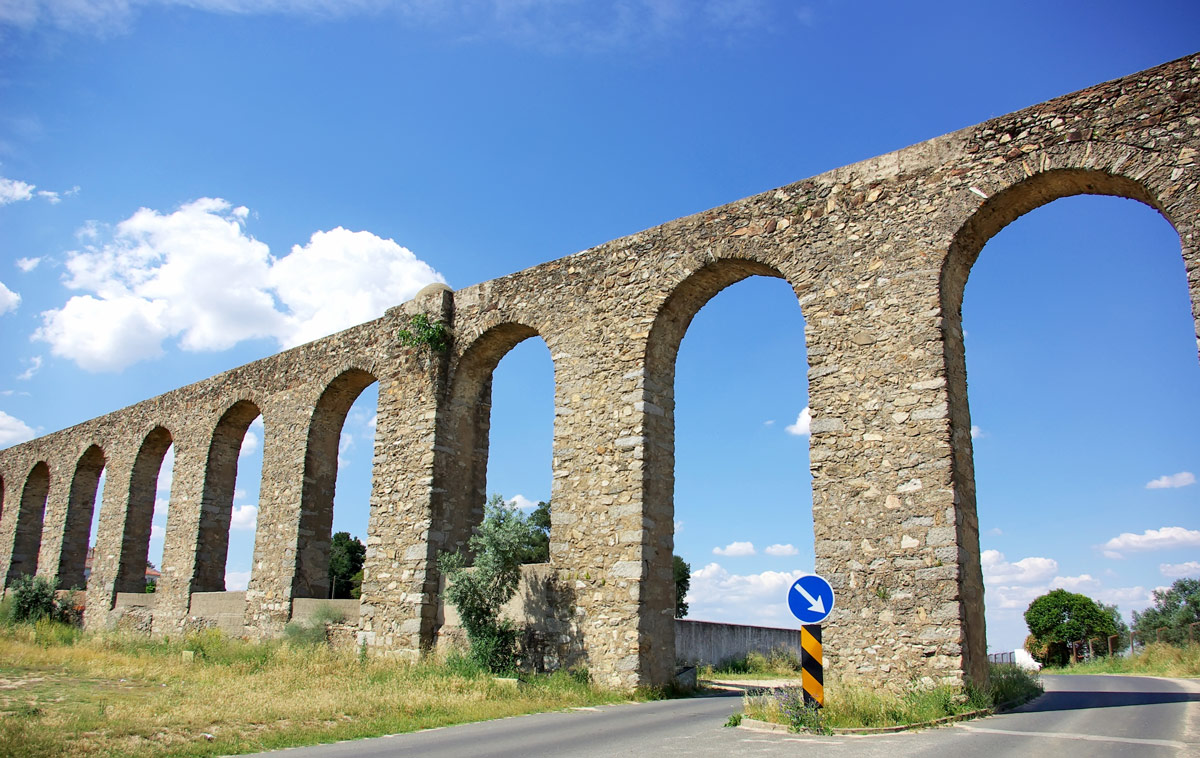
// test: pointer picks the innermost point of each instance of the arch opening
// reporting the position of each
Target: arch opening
(30, 516)
(143, 508)
(233, 443)
(1056, 373)
(743, 487)
(465, 473)
(666, 450)
(82, 514)
(328, 449)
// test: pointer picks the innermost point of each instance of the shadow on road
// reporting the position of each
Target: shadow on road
(1083, 699)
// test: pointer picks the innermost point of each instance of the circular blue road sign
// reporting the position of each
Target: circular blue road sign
(810, 599)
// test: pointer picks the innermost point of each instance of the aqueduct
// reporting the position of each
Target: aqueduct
(878, 254)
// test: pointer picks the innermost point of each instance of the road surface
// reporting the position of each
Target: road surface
(1083, 716)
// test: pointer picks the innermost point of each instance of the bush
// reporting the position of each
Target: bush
(480, 592)
(35, 597)
(312, 631)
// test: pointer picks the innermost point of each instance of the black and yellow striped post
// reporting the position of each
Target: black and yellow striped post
(812, 678)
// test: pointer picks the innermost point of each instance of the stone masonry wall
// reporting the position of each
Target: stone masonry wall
(877, 253)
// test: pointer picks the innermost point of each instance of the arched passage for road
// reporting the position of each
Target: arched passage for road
(743, 490)
(1100, 353)
(666, 336)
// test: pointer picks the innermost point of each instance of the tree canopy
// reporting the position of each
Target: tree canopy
(1059, 617)
(683, 581)
(346, 556)
(1174, 609)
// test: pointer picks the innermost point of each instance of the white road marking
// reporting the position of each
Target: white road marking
(1074, 736)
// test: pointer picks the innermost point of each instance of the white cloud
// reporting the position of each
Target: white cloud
(1152, 539)
(735, 549)
(678, 526)
(1075, 583)
(236, 581)
(345, 443)
(160, 507)
(13, 430)
(997, 570)
(995, 531)
(717, 595)
(28, 264)
(9, 300)
(249, 443)
(781, 550)
(769, 422)
(34, 364)
(244, 518)
(520, 502)
(13, 191)
(1129, 598)
(195, 275)
(977, 432)
(157, 532)
(342, 278)
(1179, 570)
(1171, 481)
(803, 423)
(373, 422)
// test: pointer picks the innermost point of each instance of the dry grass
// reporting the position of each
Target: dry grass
(1156, 659)
(112, 695)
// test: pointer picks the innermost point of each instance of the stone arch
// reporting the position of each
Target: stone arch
(670, 325)
(81, 504)
(216, 500)
(31, 512)
(139, 510)
(464, 473)
(1019, 196)
(311, 578)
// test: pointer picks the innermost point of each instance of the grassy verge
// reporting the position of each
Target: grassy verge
(66, 693)
(1156, 659)
(850, 706)
(779, 663)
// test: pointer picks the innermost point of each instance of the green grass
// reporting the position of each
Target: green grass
(66, 693)
(1156, 659)
(851, 706)
(780, 662)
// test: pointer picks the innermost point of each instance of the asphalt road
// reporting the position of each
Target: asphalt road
(1079, 716)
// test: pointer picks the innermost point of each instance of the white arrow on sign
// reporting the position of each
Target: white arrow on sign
(816, 605)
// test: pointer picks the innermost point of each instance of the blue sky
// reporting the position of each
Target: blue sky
(188, 186)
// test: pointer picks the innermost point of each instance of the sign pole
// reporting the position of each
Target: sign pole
(812, 677)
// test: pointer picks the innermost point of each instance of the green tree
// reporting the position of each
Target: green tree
(479, 593)
(1121, 629)
(683, 581)
(1174, 608)
(537, 544)
(346, 556)
(1059, 617)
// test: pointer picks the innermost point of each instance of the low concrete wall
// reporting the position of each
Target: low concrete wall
(134, 600)
(225, 609)
(700, 642)
(303, 608)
